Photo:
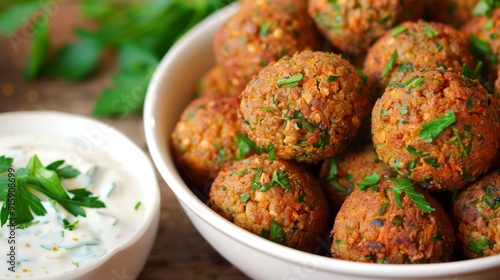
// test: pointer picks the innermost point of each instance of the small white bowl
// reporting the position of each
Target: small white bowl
(170, 90)
(82, 137)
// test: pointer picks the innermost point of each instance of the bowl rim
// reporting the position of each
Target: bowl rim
(163, 160)
(150, 219)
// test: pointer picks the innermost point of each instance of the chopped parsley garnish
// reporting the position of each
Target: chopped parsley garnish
(68, 225)
(137, 205)
(332, 176)
(414, 82)
(485, 7)
(245, 145)
(271, 153)
(37, 177)
(276, 233)
(333, 78)
(244, 197)
(415, 152)
(390, 64)
(433, 128)
(302, 122)
(264, 29)
(492, 201)
(398, 30)
(370, 180)
(433, 162)
(281, 178)
(405, 185)
(482, 48)
(429, 32)
(464, 149)
(382, 209)
(479, 245)
(290, 81)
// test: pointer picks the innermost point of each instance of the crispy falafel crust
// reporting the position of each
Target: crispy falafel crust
(417, 45)
(301, 210)
(460, 152)
(312, 118)
(476, 216)
(366, 231)
(352, 26)
(341, 174)
(203, 140)
(261, 32)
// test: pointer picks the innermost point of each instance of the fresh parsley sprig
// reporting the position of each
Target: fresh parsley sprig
(433, 128)
(46, 181)
(405, 185)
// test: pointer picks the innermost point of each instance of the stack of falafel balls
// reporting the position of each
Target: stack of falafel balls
(366, 129)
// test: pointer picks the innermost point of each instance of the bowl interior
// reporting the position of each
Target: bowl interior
(170, 91)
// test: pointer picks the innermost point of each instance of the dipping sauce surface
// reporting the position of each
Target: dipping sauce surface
(60, 242)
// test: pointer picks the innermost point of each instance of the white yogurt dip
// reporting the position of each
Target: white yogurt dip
(47, 248)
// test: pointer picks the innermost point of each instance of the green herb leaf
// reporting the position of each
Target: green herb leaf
(256, 179)
(415, 152)
(479, 245)
(429, 32)
(70, 226)
(269, 149)
(281, 178)
(398, 30)
(39, 50)
(13, 17)
(5, 163)
(479, 47)
(28, 224)
(290, 81)
(137, 205)
(405, 185)
(84, 53)
(276, 233)
(264, 28)
(390, 64)
(332, 176)
(46, 182)
(370, 180)
(333, 78)
(433, 128)
(244, 197)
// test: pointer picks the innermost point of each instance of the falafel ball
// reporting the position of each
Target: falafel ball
(451, 12)
(262, 32)
(275, 199)
(215, 81)
(414, 45)
(372, 226)
(340, 175)
(485, 41)
(437, 127)
(309, 106)
(203, 140)
(476, 215)
(352, 26)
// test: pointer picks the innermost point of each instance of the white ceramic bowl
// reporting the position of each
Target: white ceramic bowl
(82, 137)
(169, 92)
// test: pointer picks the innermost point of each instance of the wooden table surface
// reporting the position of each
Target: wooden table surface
(179, 251)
